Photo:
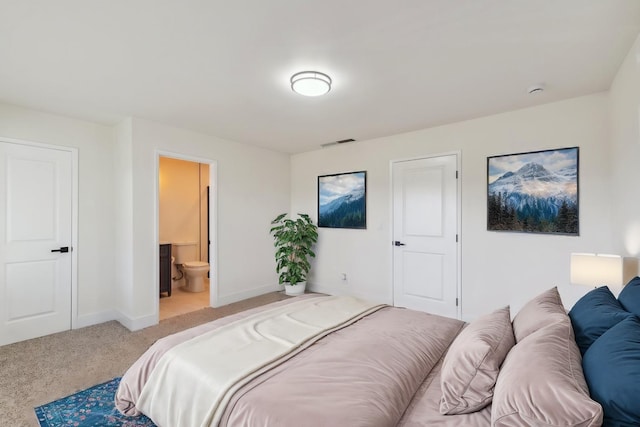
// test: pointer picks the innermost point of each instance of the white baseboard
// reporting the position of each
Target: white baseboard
(135, 324)
(85, 320)
(250, 293)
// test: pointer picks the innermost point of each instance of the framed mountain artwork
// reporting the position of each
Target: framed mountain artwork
(535, 192)
(342, 200)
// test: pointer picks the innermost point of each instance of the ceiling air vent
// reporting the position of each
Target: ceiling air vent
(342, 141)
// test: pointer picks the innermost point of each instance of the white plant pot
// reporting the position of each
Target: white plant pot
(295, 290)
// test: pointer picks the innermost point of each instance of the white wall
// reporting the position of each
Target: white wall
(497, 268)
(252, 188)
(123, 211)
(117, 266)
(624, 110)
(96, 224)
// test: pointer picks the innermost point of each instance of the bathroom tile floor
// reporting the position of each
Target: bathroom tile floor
(182, 302)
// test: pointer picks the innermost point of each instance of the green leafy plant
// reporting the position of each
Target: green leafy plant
(293, 240)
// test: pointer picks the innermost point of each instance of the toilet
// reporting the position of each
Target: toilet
(194, 271)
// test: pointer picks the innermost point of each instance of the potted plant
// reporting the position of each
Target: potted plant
(293, 240)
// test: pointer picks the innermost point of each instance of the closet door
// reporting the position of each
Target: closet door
(425, 217)
(35, 241)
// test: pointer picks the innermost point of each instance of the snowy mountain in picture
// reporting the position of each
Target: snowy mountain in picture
(342, 200)
(534, 180)
(353, 197)
(537, 196)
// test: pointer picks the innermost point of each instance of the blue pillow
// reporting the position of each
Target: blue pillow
(630, 296)
(612, 370)
(594, 314)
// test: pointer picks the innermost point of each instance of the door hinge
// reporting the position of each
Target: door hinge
(456, 174)
(456, 302)
(456, 238)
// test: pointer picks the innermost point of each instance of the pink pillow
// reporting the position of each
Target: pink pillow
(543, 310)
(471, 366)
(541, 383)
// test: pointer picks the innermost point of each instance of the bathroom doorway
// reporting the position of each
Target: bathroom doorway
(183, 235)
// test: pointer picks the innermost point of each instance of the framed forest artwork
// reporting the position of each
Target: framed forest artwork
(534, 192)
(342, 200)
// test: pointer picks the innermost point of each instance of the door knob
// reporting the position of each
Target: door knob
(62, 249)
(398, 243)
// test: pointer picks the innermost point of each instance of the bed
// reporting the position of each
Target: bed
(340, 361)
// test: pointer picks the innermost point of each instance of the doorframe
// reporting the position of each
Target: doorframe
(391, 252)
(213, 224)
(74, 216)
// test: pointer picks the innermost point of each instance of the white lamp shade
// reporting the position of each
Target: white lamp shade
(596, 270)
(311, 83)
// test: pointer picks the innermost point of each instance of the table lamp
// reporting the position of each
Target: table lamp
(596, 269)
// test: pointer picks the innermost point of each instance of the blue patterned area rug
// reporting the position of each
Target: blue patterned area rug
(93, 407)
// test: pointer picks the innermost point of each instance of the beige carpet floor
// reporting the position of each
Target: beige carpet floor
(44, 369)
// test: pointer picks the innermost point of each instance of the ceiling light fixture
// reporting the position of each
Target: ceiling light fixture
(310, 83)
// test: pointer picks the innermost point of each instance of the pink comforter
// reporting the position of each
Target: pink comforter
(364, 375)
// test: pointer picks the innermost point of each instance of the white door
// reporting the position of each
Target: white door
(425, 258)
(36, 220)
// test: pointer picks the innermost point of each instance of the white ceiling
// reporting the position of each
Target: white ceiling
(223, 67)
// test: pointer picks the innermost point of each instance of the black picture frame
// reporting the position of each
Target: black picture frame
(534, 192)
(342, 200)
